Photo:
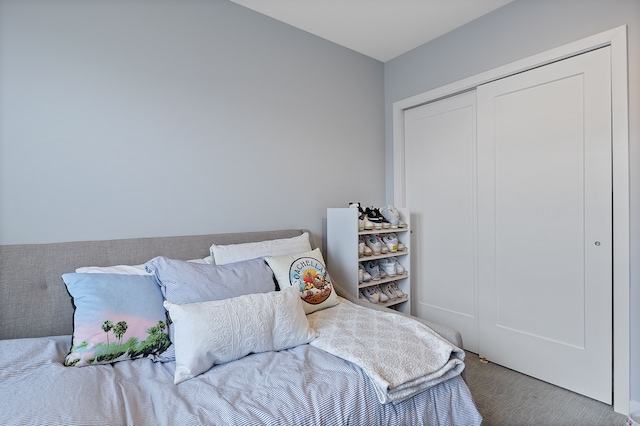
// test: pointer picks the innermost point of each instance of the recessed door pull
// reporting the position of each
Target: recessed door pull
(597, 243)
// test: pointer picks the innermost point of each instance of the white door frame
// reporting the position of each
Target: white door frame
(617, 39)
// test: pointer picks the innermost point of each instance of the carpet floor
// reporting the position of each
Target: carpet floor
(506, 397)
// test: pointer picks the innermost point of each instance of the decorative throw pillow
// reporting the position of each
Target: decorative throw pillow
(215, 332)
(186, 282)
(117, 317)
(223, 254)
(307, 273)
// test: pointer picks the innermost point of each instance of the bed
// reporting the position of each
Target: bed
(328, 376)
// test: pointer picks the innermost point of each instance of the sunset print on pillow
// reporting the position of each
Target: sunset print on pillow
(117, 317)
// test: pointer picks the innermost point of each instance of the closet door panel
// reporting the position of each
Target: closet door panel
(440, 193)
(544, 220)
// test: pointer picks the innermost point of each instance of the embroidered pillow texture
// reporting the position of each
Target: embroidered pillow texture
(117, 317)
(307, 273)
(215, 332)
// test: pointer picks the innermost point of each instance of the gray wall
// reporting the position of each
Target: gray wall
(516, 31)
(137, 118)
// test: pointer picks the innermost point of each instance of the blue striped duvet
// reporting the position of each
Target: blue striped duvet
(299, 386)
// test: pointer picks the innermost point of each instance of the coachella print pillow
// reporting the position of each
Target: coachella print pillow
(306, 272)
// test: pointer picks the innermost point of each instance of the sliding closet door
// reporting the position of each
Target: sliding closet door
(440, 193)
(544, 223)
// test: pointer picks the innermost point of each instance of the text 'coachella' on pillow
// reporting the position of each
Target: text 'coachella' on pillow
(307, 273)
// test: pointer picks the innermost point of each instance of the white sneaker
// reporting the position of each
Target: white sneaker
(381, 296)
(370, 295)
(372, 268)
(388, 290)
(391, 241)
(396, 290)
(388, 265)
(400, 269)
(373, 243)
(383, 247)
(391, 215)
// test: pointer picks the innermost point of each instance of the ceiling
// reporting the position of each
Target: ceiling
(381, 29)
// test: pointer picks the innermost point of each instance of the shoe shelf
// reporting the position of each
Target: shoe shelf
(344, 258)
(394, 303)
(384, 280)
(383, 255)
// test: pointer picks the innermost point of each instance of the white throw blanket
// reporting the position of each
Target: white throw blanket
(400, 355)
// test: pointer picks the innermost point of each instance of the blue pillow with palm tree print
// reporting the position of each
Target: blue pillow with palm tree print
(116, 317)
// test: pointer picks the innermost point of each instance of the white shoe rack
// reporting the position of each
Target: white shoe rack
(343, 259)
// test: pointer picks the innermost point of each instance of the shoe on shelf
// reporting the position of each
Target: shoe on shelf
(383, 247)
(400, 269)
(363, 248)
(370, 295)
(401, 246)
(385, 223)
(363, 276)
(391, 242)
(396, 290)
(373, 243)
(366, 223)
(360, 215)
(373, 269)
(381, 296)
(372, 216)
(391, 214)
(388, 291)
(388, 266)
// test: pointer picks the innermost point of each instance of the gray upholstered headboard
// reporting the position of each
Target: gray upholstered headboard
(33, 298)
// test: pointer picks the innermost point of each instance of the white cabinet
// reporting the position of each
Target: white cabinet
(343, 259)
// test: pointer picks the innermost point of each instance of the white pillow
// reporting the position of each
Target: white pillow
(224, 254)
(215, 332)
(306, 272)
(129, 269)
(117, 269)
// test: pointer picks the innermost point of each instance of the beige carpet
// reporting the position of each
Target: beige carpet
(505, 397)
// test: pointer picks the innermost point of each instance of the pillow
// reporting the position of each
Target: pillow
(215, 332)
(186, 282)
(117, 317)
(307, 273)
(117, 269)
(129, 269)
(236, 252)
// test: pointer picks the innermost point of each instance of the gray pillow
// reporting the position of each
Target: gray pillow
(186, 282)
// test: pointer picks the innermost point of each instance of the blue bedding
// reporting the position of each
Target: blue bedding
(300, 386)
